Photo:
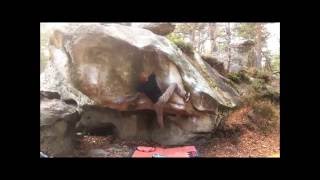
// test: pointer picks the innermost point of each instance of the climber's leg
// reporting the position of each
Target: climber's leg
(164, 98)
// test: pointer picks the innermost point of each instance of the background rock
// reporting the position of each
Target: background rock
(157, 28)
(243, 55)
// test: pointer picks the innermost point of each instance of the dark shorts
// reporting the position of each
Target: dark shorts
(150, 88)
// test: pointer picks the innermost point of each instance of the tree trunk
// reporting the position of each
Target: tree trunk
(228, 32)
(258, 45)
(212, 30)
(193, 36)
(199, 41)
(268, 66)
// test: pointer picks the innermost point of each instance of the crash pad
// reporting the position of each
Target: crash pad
(157, 152)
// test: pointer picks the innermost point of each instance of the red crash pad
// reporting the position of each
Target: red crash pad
(185, 151)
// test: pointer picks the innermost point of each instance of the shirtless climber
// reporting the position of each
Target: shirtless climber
(148, 85)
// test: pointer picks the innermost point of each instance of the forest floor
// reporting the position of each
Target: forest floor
(234, 139)
(237, 139)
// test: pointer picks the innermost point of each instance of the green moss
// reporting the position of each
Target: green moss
(233, 77)
(185, 47)
(239, 77)
(258, 85)
(178, 41)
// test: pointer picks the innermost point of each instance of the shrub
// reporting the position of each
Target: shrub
(271, 94)
(265, 116)
(260, 74)
(265, 109)
(266, 76)
(260, 90)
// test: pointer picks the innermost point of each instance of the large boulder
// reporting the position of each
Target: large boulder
(57, 125)
(157, 28)
(100, 65)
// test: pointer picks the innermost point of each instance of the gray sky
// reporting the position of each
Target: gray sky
(273, 42)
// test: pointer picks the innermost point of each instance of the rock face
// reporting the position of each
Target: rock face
(244, 56)
(158, 28)
(125, 125)
(100, 65)
(54, 79)
(185, 130)
(57, 122)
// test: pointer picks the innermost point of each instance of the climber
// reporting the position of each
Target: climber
(149, 86)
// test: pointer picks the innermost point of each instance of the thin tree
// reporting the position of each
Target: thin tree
(258, 47)
(228, 38)
(212, 31)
